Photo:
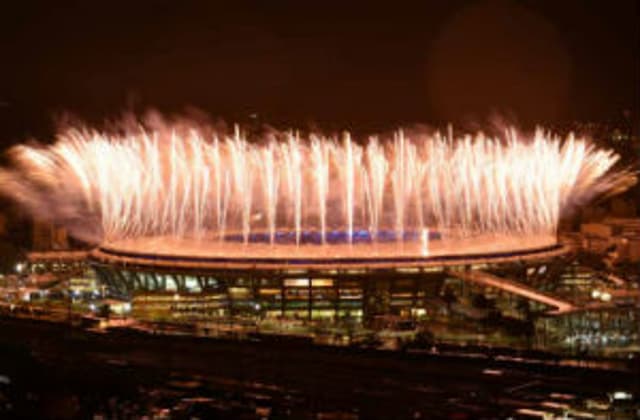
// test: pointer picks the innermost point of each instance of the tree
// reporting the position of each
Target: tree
(480, 301)
(104, 311)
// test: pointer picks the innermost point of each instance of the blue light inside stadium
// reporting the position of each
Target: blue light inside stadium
(311, 237)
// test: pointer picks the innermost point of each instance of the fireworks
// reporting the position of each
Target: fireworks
(192, 182)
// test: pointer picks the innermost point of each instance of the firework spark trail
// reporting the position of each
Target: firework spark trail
(292, 156)
(320, 164)
(377, 172)
(198, 183)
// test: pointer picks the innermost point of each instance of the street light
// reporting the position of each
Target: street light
(20, 267)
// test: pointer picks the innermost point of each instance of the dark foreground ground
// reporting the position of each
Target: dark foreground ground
(53, 371)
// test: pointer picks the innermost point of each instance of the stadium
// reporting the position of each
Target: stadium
(362, 281)
(189, 223)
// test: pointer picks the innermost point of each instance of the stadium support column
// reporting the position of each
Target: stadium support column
(282, 297)
(310, 299)
(126, 286)
(414, 295)
(202, 283)
(156, 282)
(336, 302)
(366, 285)
(230, 306)
(464, 289)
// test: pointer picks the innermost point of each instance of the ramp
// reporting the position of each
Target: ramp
(510, 286)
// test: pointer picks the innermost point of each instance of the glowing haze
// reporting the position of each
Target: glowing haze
(187, 180)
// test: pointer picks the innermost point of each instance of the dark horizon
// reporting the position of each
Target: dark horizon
(358, 67)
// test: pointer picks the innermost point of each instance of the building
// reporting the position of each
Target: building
(619, 238)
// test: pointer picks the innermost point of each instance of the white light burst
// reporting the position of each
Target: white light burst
(193, 182)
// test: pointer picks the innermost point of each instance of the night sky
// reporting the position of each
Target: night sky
(335, 66)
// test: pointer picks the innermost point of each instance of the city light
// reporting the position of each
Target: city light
(19, 267)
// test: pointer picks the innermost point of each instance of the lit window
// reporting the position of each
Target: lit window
(296, 282)
(322, 282)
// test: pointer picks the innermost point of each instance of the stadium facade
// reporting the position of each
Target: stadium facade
(363, 288)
